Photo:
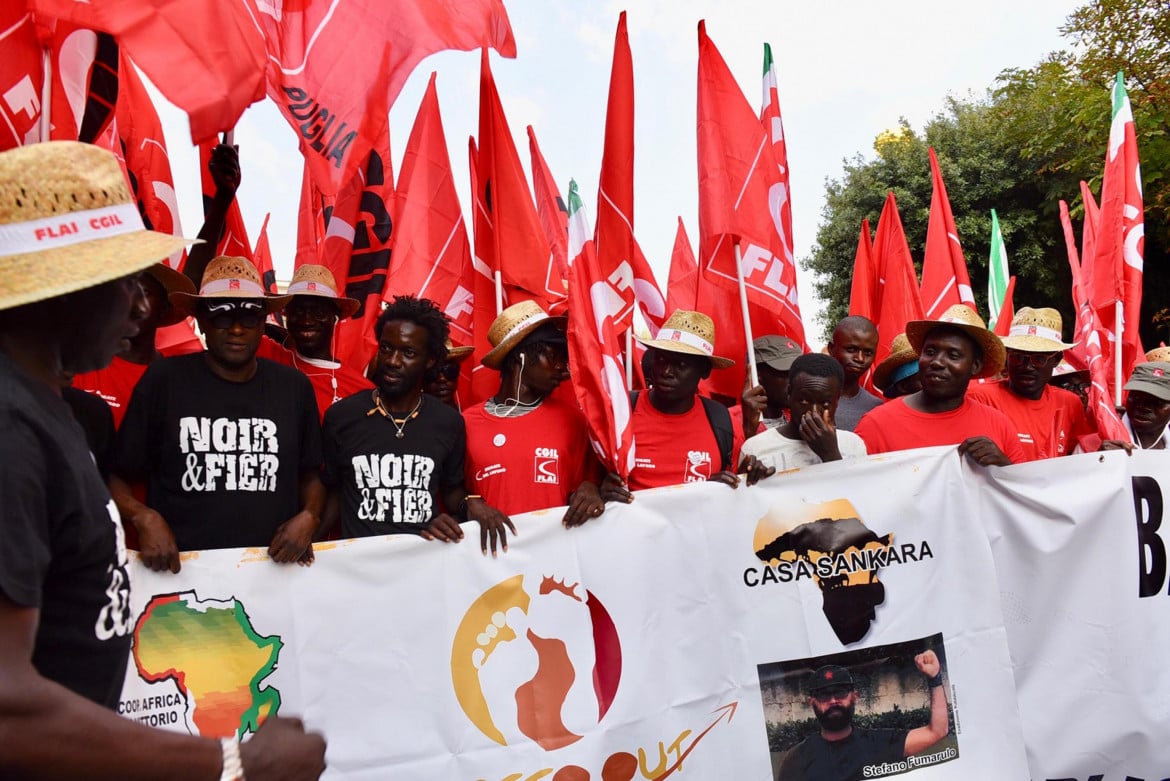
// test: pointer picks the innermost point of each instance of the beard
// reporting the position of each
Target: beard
(835, 717)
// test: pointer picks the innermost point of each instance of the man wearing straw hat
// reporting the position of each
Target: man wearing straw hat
(442, 379)
(71, 246)
(312, 314)
(394, 456)
(952, 351)
(1048, 420)
(228, 444)
(526, 448)
(897, 374)
(682, 437)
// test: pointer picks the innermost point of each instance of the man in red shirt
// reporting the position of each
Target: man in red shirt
(952, 351)
(1048, 420)
(527, 449)
(677, 432)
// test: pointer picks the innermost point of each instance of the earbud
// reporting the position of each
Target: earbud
(521, 361)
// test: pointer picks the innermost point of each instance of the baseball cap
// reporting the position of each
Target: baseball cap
(830, 676)
(1152, 378)
(778, 352)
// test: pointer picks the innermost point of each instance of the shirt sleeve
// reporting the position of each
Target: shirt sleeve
(25, 552)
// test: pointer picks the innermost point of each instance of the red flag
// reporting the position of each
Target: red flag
(1003, 326)
(22, 76)
(595, 347)
(944, 270)
(432, 254)
(336, 68)
(311, 218)
(262, 257)
(356, 249)
(1116, 273)
(738, 202)
(779, 194)
(682, 285)
(618, 252)
(516, 246)
(864, 294)
(898, 301)
(1088, 233)
(206, 58)
(554, 214)
(234, 240)
(1086, 353)
(484, 381)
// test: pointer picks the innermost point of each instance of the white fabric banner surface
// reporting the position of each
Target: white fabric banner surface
(677, 637)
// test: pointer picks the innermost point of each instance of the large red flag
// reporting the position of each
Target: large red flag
(311, 218)
(779, 193)
(898, 301)
(1116, 273)
(945, 281)
(682, 284)
(595, 347)
(205, 56)
(356, 249)
(554, 214)
(336, 68)
(618, 252)
(864, 292)
(484, 381)
(432, 254)
(737, 188)
(517, 247)
(234, 240)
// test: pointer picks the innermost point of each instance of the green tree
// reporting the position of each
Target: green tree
(1021, 148)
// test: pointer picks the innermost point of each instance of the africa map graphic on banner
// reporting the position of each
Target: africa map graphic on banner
(215, 659)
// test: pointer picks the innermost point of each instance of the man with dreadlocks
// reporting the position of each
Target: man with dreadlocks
(526, 448)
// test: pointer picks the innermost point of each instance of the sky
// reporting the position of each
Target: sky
(847, 70)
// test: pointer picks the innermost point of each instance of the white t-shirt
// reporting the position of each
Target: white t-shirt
(778, 451)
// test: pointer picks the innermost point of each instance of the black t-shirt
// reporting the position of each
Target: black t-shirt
(61, 548)
(92, 412)
(816, 759)
(221, 460)
(390, 485)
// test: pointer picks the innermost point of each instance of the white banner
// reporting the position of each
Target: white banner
(677, 637)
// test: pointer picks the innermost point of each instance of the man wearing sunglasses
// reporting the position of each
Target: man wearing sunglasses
(1048, 420)
(843, 752)
(228, 444)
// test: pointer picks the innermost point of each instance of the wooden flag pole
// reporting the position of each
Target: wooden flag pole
(753, 376)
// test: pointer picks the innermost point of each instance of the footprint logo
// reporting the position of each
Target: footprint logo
(536, 658)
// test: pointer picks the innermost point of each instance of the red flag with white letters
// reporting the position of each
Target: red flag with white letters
(738, 195)
(945, 281)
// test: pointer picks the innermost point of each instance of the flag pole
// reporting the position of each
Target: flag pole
(1119, 315)
(747, 322)
(630, 356)
(46, 95)
(499, 282)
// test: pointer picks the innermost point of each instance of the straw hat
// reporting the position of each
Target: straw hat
(968, 321)
(510, 328)
(901, 353)
(172, 282)
(691, 333)
(458, 354)
(1036, 331)
(1064, 370)
(68, 222)
(318, 282)
(229, 277)
(1159, 354)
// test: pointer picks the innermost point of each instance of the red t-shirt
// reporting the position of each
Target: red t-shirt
(331, 381)
(895, 426)
(1046, 427)
(674, 449)
(530, 462)
(114, 384)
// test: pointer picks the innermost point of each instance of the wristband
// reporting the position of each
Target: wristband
(463, 505)
(935, 681)
(233, 767)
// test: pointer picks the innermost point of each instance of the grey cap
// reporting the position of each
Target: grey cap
(1152, 378)
(777, 352)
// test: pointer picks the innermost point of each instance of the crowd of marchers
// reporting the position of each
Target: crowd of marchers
(263, 439)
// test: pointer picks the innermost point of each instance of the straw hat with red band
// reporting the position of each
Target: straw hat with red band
(967, 320)
(68, 222)
(690, 333)
(1036, 331)
(229, 277)
(458, 354)
(172, 282)
(510, 328)
(318, 282)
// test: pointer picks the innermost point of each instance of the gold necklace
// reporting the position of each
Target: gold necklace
(399, 424)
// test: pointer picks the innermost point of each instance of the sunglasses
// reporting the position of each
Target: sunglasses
(449, 371)
(1035, 360)
(248, 314)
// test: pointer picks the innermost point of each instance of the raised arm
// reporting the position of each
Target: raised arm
(224, 166)
(923, 737)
